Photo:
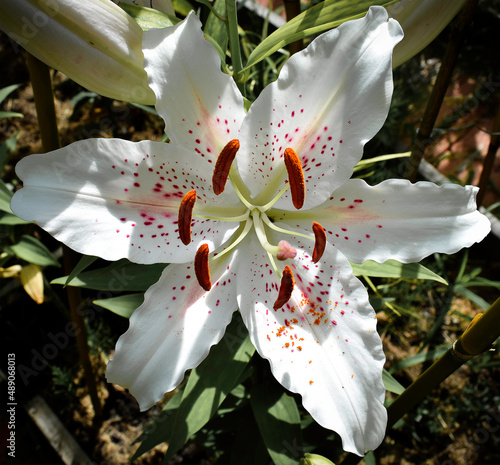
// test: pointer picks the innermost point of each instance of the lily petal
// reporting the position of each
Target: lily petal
(172, 331)
(124, 194)
(201, 106)
(328, 101)
(322, 344)
(400, 220)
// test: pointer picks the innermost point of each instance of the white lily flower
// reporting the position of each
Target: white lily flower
(93, 42)
(422, 21)
(231, 203)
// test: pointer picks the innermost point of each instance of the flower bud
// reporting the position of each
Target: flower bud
(422, 21)
(315, 459)
(93, 42)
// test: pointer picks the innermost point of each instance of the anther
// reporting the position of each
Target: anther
(201, 267)
(223, 166)
(319, 242)
(286, 288)
(295, 177)
(185, 216)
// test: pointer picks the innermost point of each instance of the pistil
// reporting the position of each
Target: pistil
(261, 235)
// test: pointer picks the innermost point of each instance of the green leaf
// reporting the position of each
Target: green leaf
(210, 383)
(5, 197)
(472, 296)
(148, 18)
(6, 148)
(6, 215)
(182, 6)
(370, 458)
(7, 90)
(123, 305)
(33, 251)
(364, 164)
(419, 358)
(117, 277)
(395, 269)
(326, 15)
(391, 384)
(278, 418)
(10, 219)
(216, 28)
(10, 114)
(82, 264)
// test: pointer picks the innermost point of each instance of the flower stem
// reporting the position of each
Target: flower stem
(483, 331)
(47, 121)
(234, 41)
(423, 138)
(44, 103)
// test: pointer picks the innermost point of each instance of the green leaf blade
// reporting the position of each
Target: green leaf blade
(33, 251)
(123, 305)
(326, 15)
(395, 269)
(209, 384)
(278, 418)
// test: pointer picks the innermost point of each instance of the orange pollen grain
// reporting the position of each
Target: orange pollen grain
(286, 288)
(319, 241)
(295, 177)
(223, 166)
(201, 267)
(185, 216)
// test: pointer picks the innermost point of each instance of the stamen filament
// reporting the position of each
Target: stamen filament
(242, 198)
(223, 166)
(201, 267)
(185, 216)
(231, 219)
(269, 223)
(246, 229)
(286, 288)
(273, 264)
(261, 235)
(295, 177)
(268, 205)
